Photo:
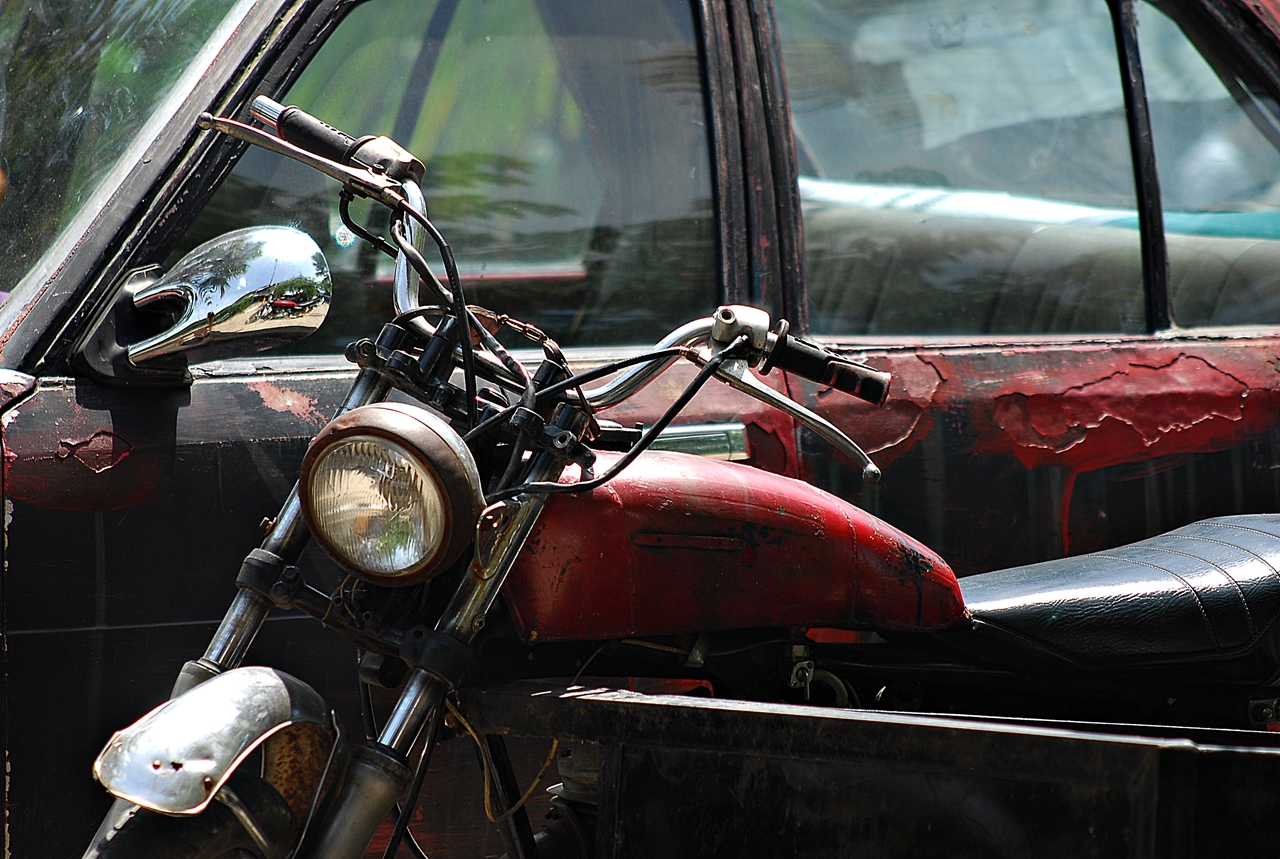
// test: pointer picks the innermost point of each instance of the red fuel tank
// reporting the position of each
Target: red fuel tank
(680, 543)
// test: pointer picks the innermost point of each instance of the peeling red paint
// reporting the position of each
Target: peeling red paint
(1075, 406)
(100, 451)
(284, 400)
(74, 462)
(1136, 412)
(1267, 11)
(894, 428)
(11, 389)
(1142, 403)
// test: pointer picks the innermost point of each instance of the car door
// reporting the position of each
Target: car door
(1056, 224)
(589, 162)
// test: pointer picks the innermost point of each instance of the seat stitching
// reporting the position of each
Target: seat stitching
(1238, 528)
(1270, 566)
(1208, 623)
(1244, 601)
(1274, 572)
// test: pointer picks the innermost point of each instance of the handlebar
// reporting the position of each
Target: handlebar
(304, 130)
(630, 381)
(827, 368)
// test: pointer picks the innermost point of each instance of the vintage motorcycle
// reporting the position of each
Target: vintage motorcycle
(609, 556)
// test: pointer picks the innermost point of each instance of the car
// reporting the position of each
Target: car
(1056, 224)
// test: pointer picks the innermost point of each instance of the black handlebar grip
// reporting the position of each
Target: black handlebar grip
(319, 138)
(826, 368)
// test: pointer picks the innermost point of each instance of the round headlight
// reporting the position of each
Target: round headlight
(391, 493)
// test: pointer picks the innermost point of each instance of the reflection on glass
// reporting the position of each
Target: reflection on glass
(1219, 181)
(566, 152)
(77, 83)
(964, 166)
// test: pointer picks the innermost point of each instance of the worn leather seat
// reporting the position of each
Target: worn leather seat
(1200, 602)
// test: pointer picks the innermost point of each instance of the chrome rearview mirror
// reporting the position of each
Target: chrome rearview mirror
(245, 291)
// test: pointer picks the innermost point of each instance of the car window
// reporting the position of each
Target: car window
(566, 151)
(965, 166)
(81, 85)
(1219, 175)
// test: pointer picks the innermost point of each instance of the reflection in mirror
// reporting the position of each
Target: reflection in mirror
(266, 284)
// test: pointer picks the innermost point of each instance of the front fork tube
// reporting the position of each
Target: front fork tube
(379, 772)
(286, 539)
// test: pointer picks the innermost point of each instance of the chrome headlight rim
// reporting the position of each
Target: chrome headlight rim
(432, 444)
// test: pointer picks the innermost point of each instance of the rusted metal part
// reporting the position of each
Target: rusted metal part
(75, 447)
(1266, 11)
(294, 761)
(14, 386)
(1059, 410)
(678, 543)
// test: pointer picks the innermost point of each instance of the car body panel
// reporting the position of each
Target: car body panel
(999, 455)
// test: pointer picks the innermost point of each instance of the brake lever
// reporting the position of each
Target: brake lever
(363, 183)
(736, 372)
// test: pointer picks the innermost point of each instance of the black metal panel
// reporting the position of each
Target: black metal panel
(696, 777)
(69, 690)
(687, 803)
(130, 512)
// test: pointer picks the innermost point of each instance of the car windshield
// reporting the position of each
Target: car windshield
(84, 89)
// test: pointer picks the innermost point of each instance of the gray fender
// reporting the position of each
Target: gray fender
(175, 759)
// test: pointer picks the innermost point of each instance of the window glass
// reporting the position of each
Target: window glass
(78, 83)
(964, 165)
(566, 152)
(1219, 183)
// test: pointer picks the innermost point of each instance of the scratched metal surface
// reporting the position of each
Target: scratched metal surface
(998, 455)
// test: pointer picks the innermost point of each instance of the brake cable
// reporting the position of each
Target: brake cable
(548, 488)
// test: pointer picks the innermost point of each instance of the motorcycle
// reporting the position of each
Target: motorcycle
(610, 557)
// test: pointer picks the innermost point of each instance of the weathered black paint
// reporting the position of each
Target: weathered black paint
(696, 777)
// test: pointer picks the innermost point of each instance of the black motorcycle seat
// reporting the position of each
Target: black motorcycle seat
(1196, 599)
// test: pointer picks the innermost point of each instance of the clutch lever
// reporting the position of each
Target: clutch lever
(361, 182)
(736, 372)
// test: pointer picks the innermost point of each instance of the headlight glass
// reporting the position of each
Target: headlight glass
(377, 506)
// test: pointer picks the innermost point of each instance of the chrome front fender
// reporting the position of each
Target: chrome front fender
(175, 759)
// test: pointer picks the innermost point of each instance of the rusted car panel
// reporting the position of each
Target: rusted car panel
(999, 455)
